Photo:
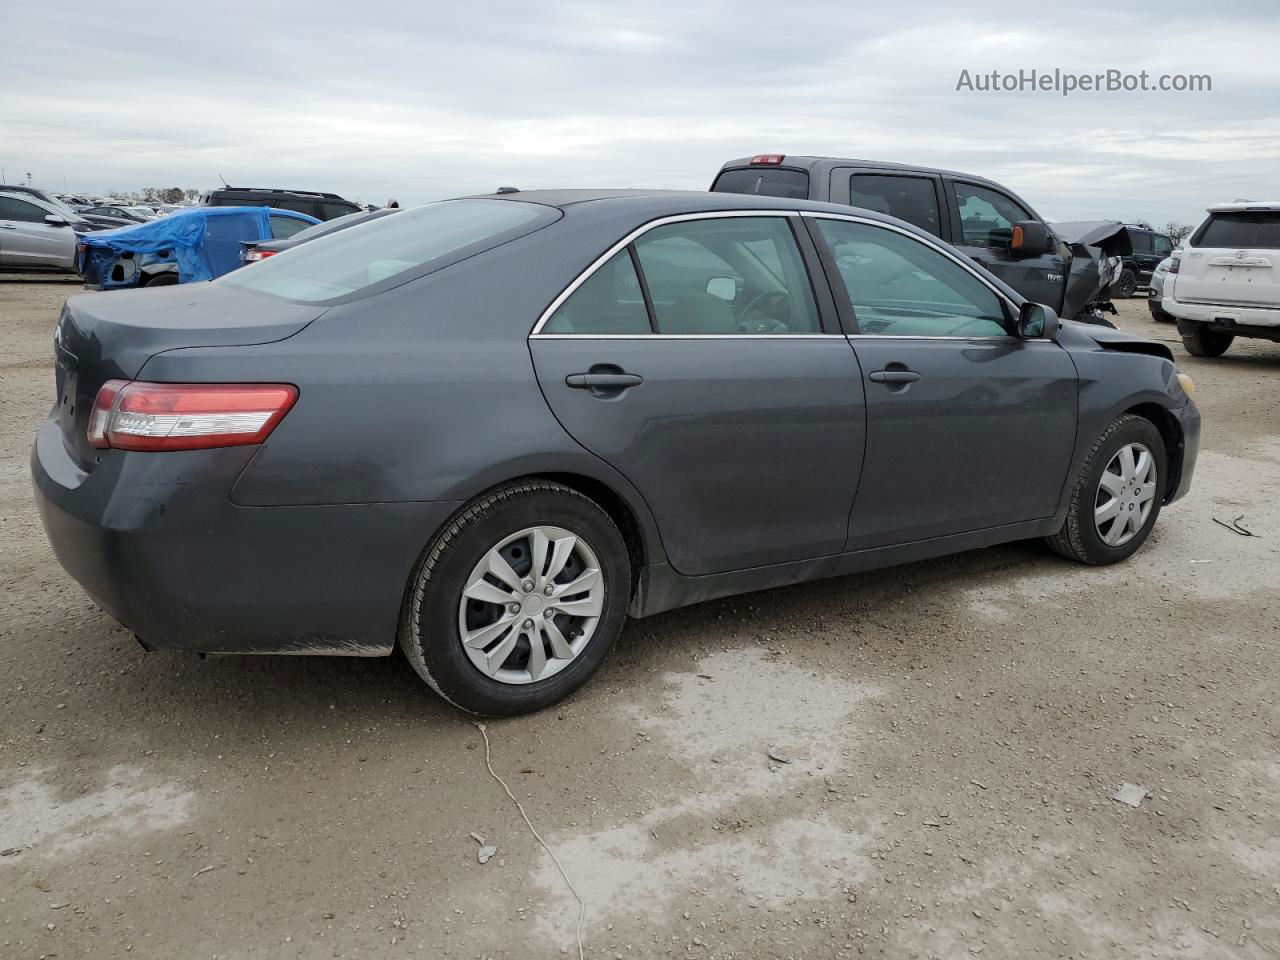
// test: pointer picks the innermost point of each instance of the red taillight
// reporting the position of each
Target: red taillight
(252, 256)
(772, 159)
(186, 416)
(1174, 263)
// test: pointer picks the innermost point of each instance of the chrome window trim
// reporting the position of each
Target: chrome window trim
(688, 336)
(629, 238)
(823, 215)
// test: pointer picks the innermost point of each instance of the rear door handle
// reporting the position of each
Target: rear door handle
(603, 381)
(894, 376)
(8, 226)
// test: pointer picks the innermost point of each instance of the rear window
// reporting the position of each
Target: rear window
(1244, 229)
(391, 250)
(772, 182)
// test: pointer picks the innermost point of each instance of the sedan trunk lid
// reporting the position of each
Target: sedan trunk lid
(106, 336)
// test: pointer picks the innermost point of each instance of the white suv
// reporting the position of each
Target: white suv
(1226, 282)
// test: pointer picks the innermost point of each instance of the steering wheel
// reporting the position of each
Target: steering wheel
(765, 324)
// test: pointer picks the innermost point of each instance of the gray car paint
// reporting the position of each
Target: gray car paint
(420, 397)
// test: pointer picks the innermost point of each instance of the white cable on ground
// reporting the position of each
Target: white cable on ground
(582, 906)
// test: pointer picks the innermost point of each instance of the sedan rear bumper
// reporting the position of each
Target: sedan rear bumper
(155, 540)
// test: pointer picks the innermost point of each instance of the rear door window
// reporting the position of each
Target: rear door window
(913, 199)
(1162, 245)
(1141, 241)
(771, 182)
(986, 216)
(608, 301)
(1246, 229)
(727, 276)
(330, 211)
(309, 207)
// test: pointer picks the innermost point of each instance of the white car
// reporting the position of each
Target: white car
(1225, 283)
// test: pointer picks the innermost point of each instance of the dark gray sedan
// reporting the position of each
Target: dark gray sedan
(489, 429)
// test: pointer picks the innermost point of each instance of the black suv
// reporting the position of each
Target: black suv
(322, 206)
(1149, 248)
(979, 217)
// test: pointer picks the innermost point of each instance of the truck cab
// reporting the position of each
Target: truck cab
(979, 217)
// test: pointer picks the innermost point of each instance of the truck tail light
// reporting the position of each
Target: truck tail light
(1174, 264)
(771, 159)
(253, 256)
(132, 415)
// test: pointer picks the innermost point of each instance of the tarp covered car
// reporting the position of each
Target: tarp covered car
(196, 244)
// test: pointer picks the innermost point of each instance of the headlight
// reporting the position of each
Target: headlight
(1188, 385)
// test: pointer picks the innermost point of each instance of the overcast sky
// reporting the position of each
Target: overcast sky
(421, 101)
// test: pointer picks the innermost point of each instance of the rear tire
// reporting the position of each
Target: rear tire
(166, 279)
(1083, 537)
(495, 671)
(1203, 341)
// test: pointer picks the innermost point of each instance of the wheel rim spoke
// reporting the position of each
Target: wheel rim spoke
(1126, 463)
(496, 657)
(577, 584)
(589, 606)
(1112, 483)
(481, 589)
(499, 567)
(1146, 493)
(486, 635)
(561, 551)
(538, 542)
(1107, 510)
(559, 645)
(537, 653)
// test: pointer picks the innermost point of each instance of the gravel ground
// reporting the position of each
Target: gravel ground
(955, 731)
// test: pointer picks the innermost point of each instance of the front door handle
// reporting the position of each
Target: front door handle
(894, 376)
(603, 381)
(8, 226)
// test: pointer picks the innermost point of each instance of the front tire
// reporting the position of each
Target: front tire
(1116, 497)
(518, 600)
(1204, 341)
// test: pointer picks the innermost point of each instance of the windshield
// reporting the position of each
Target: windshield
(391, 250)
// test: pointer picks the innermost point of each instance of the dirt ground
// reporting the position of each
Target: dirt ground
(955, 731)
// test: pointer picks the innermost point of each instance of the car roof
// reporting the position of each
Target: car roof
(670, 202)
(798, 162)
(1244, 206)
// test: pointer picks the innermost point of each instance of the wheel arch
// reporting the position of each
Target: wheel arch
(1174, 441)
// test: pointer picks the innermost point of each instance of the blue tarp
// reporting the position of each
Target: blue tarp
(204, 241)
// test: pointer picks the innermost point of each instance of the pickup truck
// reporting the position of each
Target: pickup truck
(980, 218)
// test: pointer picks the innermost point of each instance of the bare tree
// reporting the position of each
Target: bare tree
(190, 194)
(173, 195)
(1177, 232)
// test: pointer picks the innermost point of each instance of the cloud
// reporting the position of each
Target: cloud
(419, 102)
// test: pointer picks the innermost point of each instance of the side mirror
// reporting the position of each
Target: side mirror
(54, 220)
(1031, 238)
(1037, 322)
(723, 288)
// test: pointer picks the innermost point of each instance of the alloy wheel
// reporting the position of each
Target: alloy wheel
(531, 605)
(1126, 493)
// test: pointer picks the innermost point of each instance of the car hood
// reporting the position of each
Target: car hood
(1110, 236)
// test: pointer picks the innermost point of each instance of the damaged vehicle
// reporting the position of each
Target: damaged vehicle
(196, 244)
(488, 430)
(986, 221)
